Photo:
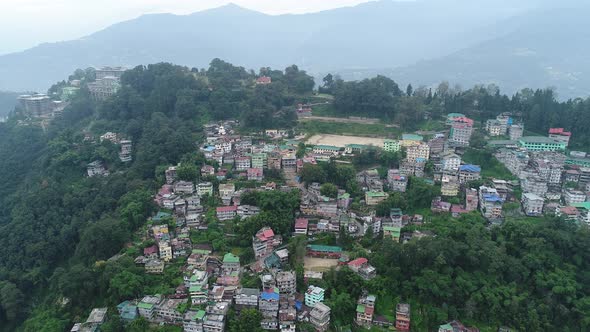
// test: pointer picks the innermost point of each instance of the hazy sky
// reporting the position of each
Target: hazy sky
(26, 23)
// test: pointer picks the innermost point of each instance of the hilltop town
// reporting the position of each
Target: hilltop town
(293, 229)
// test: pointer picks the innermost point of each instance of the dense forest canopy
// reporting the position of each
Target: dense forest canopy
(60, 227)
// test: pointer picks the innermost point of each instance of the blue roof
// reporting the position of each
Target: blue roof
(269, 295)
(210, 148)
(470, 168)
(492, 198)
(419, 159)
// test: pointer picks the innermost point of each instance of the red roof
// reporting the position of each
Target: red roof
(463, 119)
(569, 210)
(150, 250)
(559, 131)
(264, 80)
(369, 310)
(455, 208)
(358, 262)
(268, 233)
(227, 208)
(255, 171)
(301, 223)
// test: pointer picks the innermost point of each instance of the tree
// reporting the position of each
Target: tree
(187, 172)
(248, 321)
(329, 190)
(11, 301)
(409, 90)
(126, 285)
(312, 173)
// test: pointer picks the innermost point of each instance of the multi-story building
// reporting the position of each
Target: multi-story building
(230, 264)
(214, 323)
(374, 197)
(205, 188)
(560, 135)
(494, 128)
(184, 187)
(461, 130)
(193, 321)
(534, 184)
(242, 163)
(103, 88)
(247, 298)
(469, 173)
(490, 203)
(449, 185)
(108, 71)
(286, 281)
(450, 162)
(540, 143)
(391, 145)
(226, 212)
(314, 295)
(301, 226)
(532, 204)
(96, 168)
(154, 266)
(125, 153)
(147, 306)
(397, 182)
(259, 160)
(402, 317)
(419, 151)
(326, 149)
(264, 242)
(437, 144)
(365, 309)
(471, 199)
(411, 140)
(165, 250)
(36, 105)
(255, 174)
(327, 206)
(168, 310)
(571, 196)
(515, 131)
(320, 317)
(226, 189)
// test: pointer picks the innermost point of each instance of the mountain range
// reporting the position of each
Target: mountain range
(514, 45)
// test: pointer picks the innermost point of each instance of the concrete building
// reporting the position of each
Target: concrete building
(391, 145)
(205, 188)
(515, 131)
(264, 242)
(490, 203)
(108, 71)
(450, 162)
(471, 199)
(571, 196)
(193, 321)
(103, 88)
(411, 140)
(96, 168)
(540, 143)
(532, 204)
(461, 130)
(286, 282)
(365, 309)
(560, 135)
(314, 295)
(402, 317)
(36, 104)
(320, 317)
(494, 128)
(125, 153)
(449, 185)
(374, 197)
(469, 173)
(419, 151)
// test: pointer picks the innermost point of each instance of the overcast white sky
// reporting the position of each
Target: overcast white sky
(26, 23)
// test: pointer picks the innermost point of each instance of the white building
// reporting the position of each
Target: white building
(532, 204)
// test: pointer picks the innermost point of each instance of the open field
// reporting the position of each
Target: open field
(342, 140)
(319, 264)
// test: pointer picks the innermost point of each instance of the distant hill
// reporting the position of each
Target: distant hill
(511, 43)
(377, 34)
(546, 49)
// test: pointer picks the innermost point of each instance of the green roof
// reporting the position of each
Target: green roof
(143, 305)
(455, 115)
(540, 139)
(344, 196)
(583, 205)
(376, 193)
(198, 315)
(317, 247)
(394, 230)
(360, 308)
(201, 251)
(357, 146)
(195, 288)
(231, 258)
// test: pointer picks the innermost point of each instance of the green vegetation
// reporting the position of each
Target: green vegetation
(491, 167)
(336, 128)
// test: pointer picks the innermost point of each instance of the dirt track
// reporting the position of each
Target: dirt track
(342, 140)
(341, 120)
(319, 264)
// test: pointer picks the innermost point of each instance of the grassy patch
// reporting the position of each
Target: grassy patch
(318, 127)
(490, 166)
